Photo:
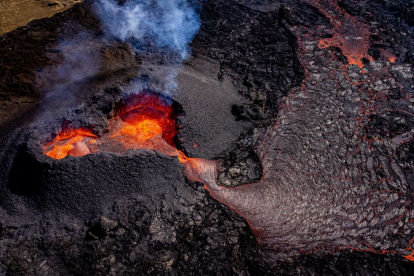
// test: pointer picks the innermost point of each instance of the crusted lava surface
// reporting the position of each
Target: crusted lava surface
(339, 184)
(308, 105)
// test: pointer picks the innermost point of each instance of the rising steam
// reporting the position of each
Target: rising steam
(169, 23)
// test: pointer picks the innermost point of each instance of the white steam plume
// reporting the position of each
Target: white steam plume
(170, 23)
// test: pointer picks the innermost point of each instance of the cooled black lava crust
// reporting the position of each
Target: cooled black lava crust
(133, 214)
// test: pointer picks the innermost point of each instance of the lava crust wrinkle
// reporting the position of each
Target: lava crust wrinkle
(328, 183)
(336, 195)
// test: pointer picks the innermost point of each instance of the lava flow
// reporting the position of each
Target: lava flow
(349, 35)
(329, 182)
(145, 120)
(69, 142)
(326, 184)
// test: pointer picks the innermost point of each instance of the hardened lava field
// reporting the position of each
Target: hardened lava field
(209, 138)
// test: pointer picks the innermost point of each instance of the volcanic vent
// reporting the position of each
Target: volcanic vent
(322, 99)
(142, 121)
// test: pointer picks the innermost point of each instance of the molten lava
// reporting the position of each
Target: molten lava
(69, 142)
(148, 113)
(349, 35)
(301, 202)
(145, 121)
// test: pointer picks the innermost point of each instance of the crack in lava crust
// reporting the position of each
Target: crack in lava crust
(328, 184)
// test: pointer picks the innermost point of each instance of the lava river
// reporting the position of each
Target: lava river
(329, 182)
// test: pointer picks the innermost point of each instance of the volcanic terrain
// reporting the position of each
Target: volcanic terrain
(280, 142)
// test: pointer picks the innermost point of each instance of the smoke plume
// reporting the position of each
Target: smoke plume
(169, 23)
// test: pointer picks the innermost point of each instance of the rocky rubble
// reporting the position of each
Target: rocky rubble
(114, 214)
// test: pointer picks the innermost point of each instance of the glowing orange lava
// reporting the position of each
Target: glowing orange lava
(388, 55)
(155, 111)
(410, 257)
(145, 120)
(351, 36)
(69, 142)
(410, 248)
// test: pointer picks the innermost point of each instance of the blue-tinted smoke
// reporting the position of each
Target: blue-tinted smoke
(170, 23)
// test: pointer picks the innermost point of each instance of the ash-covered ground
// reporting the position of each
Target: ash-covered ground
(19, 13)
(257, 91)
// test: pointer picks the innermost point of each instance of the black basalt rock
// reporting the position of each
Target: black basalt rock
(325, 150)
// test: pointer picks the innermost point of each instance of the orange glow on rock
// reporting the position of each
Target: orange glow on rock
(354, 52)
(388, 55)
(410, 257)
(349, 35)
(60, 152)
(69, 142)
(73, 133)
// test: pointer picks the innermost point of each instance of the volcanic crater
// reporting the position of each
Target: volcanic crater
(282, 145)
